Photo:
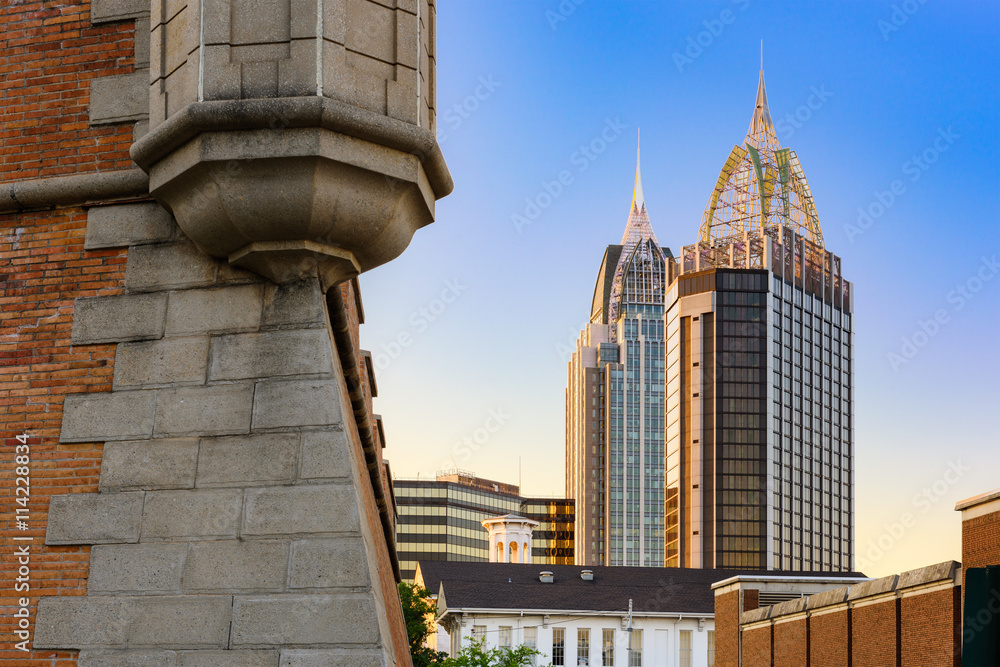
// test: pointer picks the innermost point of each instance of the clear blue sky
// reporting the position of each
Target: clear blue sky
(881, 100)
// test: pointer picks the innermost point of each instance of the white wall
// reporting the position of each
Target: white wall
(660, 637)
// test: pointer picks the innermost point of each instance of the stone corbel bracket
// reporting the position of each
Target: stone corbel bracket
(295, 187)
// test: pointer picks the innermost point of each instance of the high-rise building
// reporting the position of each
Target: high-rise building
(441, 519)
(755, 388)
(615, 403)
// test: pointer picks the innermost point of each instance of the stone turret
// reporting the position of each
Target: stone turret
(242, 514)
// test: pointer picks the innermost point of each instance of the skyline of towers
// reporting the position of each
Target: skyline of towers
(709, 404)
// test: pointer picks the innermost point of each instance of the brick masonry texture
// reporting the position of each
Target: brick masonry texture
(791, 643)
(727, 621)
(757, 647)
(830, 639)
(981, 541)
(930, 627)
(49, 53)
(876, 634)
(43, 270)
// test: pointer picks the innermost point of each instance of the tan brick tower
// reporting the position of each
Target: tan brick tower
(182, 395)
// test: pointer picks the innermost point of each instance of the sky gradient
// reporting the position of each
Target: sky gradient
(893, 110)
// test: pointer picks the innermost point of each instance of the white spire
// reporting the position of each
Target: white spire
(761, 130)
(638, 202)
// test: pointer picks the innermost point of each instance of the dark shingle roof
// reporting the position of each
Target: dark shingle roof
(515, 586)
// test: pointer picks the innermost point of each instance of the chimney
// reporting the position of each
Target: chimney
(587, 575)
(545, 577)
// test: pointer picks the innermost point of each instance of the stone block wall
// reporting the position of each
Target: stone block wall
(233, 511)
(207, 485)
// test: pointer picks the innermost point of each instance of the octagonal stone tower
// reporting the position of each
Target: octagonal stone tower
(295, 137)
(243, 514)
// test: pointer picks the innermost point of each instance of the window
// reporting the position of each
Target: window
(531, 640)
(608, 648)
(635, 649)
(711, 648)
(685, 644)
(583, 647)
(558, 646)
(478, 632)
(504, 638)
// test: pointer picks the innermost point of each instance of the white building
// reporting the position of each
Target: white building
(578, 615)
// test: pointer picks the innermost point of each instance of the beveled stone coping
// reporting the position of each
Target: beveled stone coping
(294, 187)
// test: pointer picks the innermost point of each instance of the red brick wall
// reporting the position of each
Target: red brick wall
(49, 52)
(931, 629)
(830, 640)
(791, 643)
(981, 541)
(43, 268)
(727, 628)
(756, 647)
(876, 634)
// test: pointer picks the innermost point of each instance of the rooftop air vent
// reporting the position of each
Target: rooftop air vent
(587, 575)
(545, 577)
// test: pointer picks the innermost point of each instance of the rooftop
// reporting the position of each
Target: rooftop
(468, 585)
(981, 499)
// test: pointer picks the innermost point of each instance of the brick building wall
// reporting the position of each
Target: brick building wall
(49, 55)
(897, 621)
(791, 642)
(931, 629)
(876, 633)
(727, 624)
(43, 268)
(830, 639)
(757, 645)
(981, 540)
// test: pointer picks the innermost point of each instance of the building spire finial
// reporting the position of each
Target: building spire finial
(761, 129)
(638, 201)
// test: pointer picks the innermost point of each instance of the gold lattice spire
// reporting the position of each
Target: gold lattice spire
(761, 186)
(638, 201)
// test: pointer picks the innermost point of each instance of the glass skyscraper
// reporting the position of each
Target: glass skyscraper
(615, 403)
(754, 394)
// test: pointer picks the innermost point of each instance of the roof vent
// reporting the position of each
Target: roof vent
(587, 575)
(545, 577)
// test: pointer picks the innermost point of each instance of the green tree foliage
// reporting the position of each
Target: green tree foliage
(477, 655)
(418, 612)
